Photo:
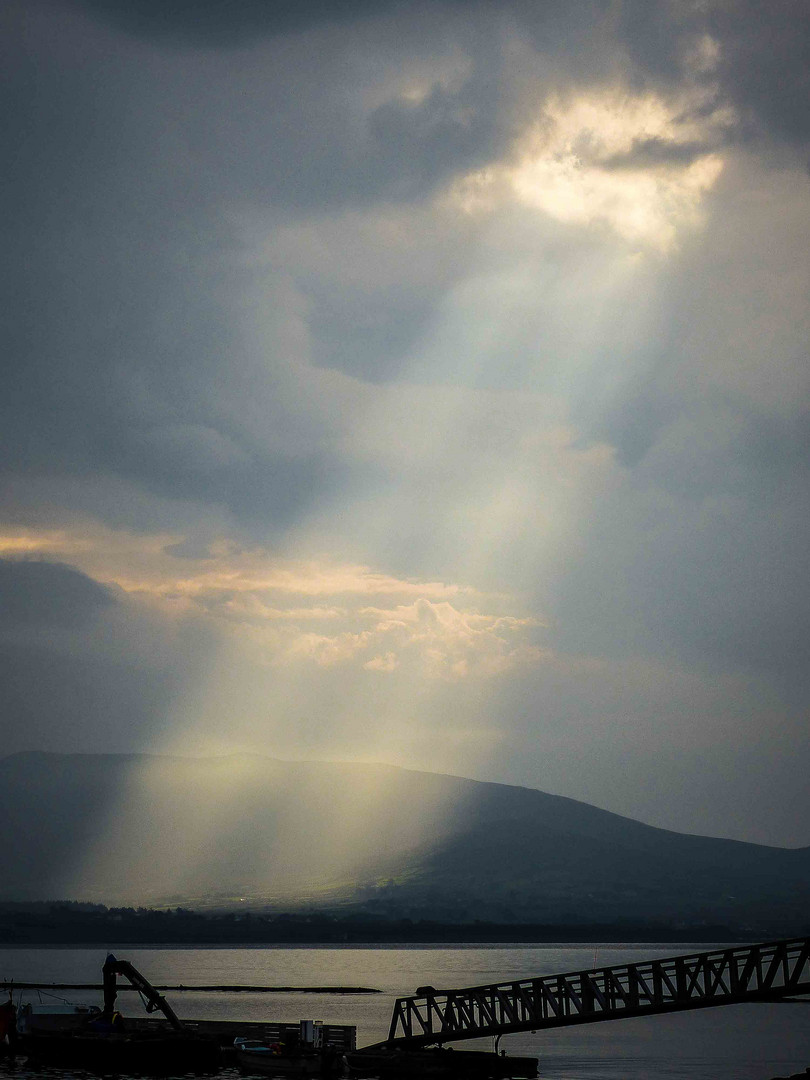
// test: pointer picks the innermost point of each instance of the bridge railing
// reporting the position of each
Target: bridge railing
(721, 977)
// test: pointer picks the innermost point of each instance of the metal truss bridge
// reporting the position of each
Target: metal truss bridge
(764, 972)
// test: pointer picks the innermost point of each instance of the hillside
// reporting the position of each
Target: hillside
(136, 829)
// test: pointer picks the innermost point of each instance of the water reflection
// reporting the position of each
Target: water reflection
(746, 1042)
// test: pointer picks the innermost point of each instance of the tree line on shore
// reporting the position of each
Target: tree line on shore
(71, 922)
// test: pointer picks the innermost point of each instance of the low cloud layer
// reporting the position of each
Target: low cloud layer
(428, 387)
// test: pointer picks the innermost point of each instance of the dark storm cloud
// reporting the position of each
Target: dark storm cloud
(115, 271)
(720, 587)
(446, 133)
(365, 332)
(80, 665)
(209, 23)
(80, 699)
(651, 152)
(765, 64)
(104, 263)
(48, 594)
(704, 555)
(121, 271)
(53, 677)
(654, 35)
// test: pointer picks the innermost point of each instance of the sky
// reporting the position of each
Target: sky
(423, 384)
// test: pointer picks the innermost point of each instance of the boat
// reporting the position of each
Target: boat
(274, 1059)
(38, 1019)
(78, 1036)
(308, 1048)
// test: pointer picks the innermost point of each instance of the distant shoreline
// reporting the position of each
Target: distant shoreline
(90, 926)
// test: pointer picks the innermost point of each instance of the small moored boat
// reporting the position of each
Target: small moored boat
(274, 1059)
(308, 1048)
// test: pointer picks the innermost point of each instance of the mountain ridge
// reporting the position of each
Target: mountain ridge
(401, 842)
(246, 756)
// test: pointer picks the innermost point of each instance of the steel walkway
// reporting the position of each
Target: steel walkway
(763, 972)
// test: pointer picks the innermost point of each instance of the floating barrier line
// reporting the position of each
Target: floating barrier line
(237, 989)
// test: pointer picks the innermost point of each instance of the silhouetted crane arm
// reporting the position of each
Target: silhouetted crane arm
(112, 968)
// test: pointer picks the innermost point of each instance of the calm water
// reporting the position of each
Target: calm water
(745, 1042)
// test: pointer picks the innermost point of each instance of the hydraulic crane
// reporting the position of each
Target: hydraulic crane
(154, 1001)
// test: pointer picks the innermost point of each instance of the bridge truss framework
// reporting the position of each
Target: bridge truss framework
(764, 972)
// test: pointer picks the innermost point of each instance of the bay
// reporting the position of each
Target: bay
(741, 1042)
